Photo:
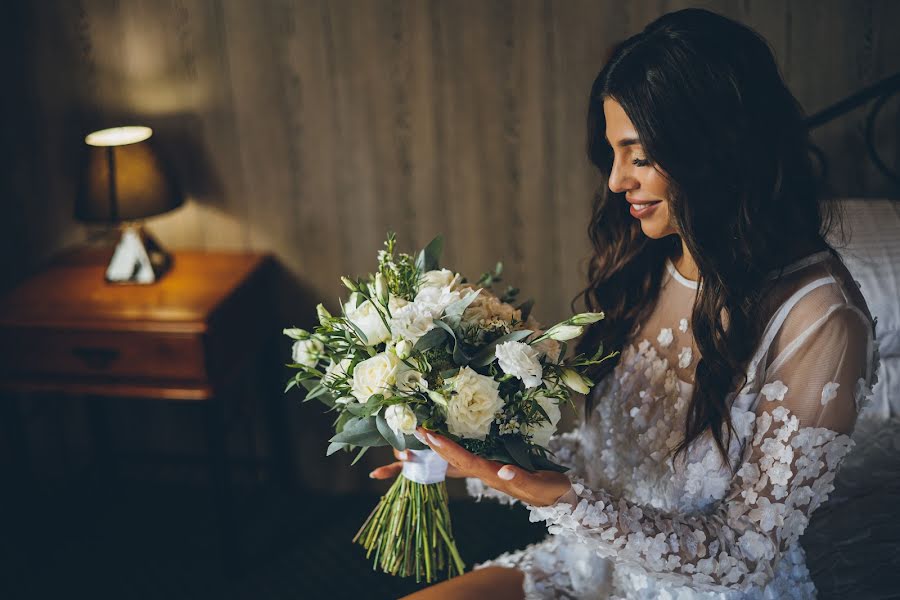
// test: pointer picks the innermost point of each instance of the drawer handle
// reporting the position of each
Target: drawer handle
(96, 358)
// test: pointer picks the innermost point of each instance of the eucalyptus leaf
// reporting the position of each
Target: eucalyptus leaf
(413, 443)
(432, 339)
(360, 432)
(397, 441)
(334, 447)
(453, 312)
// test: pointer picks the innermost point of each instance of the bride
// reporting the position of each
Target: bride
(746, 348)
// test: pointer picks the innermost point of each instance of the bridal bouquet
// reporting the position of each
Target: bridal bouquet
(416, 344)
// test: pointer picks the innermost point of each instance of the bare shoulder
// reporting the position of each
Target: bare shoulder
(489, 583)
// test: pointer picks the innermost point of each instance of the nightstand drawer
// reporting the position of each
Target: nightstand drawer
(109, 354)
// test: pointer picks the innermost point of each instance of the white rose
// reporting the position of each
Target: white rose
(400, 419)
(471, 410)
(441, 278)
(543, 431)
(520, 360)
(366, 317)
(411, 322)
(410, 380)
(307, 352)
(375, 375)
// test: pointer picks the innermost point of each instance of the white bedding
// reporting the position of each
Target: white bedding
(872, 255)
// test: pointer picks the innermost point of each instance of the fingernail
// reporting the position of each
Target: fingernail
(433, 440)
(403, 455)
(506, 474)
(372, 475)
(418, 435)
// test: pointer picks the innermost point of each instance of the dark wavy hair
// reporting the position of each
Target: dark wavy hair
(712, 111)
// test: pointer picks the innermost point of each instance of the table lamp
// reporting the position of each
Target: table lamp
(124, 181)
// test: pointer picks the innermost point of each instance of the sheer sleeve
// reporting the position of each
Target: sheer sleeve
(794, 441)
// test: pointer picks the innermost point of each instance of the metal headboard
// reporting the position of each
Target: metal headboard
(880, 92)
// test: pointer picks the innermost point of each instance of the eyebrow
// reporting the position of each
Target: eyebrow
(625, 142)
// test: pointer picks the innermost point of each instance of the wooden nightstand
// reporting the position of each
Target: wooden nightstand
(188, 338)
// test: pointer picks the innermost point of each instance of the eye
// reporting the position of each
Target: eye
(640, 162)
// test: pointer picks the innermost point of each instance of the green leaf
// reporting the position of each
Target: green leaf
(290, 384)
(334, 447)
(526, 307)
(432, 339)
(359, 456)
(397, 441)
(499, 454)
(518, 449)
(413, 443)
(430, 256)
(358, 332)
(360, 432)
(544, 464)
(486, 356)
(453, 312)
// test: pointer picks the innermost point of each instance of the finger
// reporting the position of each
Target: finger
(457, 456)
(387, 471)
(401, 454)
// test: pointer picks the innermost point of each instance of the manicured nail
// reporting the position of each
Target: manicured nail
(433, 440)
(506, 474)
(372, 475)
(403, 455)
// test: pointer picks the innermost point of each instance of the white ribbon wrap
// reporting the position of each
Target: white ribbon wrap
(424, 466)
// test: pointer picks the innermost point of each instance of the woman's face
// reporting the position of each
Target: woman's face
(633, 175)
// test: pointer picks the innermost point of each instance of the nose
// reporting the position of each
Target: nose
(621, 179)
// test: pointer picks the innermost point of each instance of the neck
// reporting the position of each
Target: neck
(685, 264)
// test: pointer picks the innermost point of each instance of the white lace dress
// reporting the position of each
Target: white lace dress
(637, 524)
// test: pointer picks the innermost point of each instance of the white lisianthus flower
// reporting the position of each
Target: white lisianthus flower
(471, 409)
(366, 317)
(403, 349)
(543, 431)
(375, 375)
(412, 321)
(410, 380)
(573, 380)
(400, 419)
(337, 370)
(307, 352)
(436, 299)
(520, 360)
(586, 318)
(440, 278)
(562, 333)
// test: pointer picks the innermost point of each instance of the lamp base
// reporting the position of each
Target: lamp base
(138, 258)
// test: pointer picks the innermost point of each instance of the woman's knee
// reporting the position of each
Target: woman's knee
(490, 583)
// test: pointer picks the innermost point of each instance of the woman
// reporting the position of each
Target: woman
(746, 347)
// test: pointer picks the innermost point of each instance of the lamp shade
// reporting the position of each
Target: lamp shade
(123, 178)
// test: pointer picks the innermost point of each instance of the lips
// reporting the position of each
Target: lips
(642, 203)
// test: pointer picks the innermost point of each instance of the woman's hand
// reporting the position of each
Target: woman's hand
(540, 488)
(393, 469)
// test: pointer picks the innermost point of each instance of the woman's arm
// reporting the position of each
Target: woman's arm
(797, 438)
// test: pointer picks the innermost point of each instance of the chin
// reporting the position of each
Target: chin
(654, 230)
